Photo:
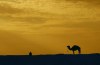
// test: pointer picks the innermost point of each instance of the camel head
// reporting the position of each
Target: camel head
(69, 47)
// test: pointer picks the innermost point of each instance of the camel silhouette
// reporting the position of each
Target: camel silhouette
(75, 48)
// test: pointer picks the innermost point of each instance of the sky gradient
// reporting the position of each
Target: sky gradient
(48, 26)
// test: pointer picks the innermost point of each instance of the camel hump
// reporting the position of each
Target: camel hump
(75, 46)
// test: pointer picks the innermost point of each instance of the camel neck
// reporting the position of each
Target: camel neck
(69, 48)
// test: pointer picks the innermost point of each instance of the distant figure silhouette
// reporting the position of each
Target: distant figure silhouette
(30, 53)
(75, 48)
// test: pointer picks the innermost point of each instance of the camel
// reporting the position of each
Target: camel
(75, 48)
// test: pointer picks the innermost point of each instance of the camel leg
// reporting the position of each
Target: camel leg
(79, 51)
(73, 52)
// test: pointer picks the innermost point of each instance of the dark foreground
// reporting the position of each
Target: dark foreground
(60, 59)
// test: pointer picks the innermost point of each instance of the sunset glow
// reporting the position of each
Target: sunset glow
(48, 26)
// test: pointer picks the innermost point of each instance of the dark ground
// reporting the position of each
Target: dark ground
(59, 59)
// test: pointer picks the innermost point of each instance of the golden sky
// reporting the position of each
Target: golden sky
(48, 26)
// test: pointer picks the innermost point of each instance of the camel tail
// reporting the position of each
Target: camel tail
(79, 51)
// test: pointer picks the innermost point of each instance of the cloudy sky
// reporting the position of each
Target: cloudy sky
(48, 26)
